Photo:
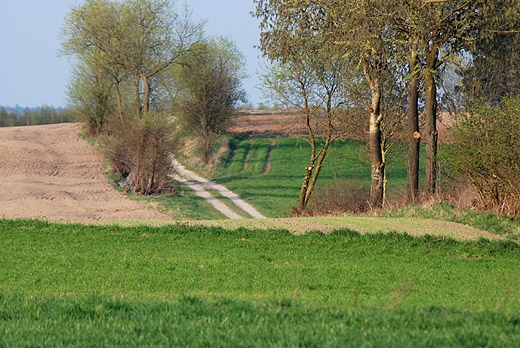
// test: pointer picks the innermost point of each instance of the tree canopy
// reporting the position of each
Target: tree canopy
(395, 45)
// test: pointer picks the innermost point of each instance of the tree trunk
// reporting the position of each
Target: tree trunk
(119, 103)
(317, 169)
(431, 121)
(207, 147)
(414, 137)
(376, 156)
(313, 170)
(139, 105)
(302, 200)
(146, 97)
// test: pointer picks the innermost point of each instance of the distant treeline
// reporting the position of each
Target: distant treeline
(18, 116)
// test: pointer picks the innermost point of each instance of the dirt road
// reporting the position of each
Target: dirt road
(49, 173)
(201, 187)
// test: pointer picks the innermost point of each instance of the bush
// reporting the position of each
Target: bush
(487, 153)
(340, 197)
(140, 152)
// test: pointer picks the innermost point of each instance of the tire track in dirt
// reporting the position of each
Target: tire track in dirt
(201, 187)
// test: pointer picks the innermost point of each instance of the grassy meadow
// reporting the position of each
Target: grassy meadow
(75, 285)
(268, 172)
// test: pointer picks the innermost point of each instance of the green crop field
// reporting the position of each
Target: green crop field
(73, 285)
(268, 172)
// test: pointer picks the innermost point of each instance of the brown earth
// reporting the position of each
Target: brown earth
(49, 173)
(260, 123)
(267, 123)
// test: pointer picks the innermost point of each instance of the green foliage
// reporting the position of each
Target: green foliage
(90, 98)
(64, 285)
(486, 152)
(128, 46)
(492, 72)
(12, 117)
(209, 80)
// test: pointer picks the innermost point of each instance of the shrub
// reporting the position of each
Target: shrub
(486, 151)
(140, 152)
(341, 196)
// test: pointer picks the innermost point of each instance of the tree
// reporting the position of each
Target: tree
(90, 96)
(350, 29)
(93, 35)
(314, 84)
(156, 38)
(492, 69)
(210, 84)
(123, 50)
(304, 76)
(446, 28)
(6, 120)
(132, 43)
(428, 35)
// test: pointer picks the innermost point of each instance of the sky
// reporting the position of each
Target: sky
(32, 74)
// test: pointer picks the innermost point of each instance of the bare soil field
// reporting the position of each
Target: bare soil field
(259, 123)
(49, 173)
(268, 123)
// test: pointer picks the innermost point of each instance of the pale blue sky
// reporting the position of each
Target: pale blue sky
(31, 74)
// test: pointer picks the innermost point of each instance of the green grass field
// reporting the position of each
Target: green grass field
(74, 285)
(268, 172)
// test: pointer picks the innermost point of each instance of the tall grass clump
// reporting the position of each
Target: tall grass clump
(341, 197)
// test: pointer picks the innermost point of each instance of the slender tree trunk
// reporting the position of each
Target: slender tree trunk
(146, 96)
(151, 177)
(431, 121)
(317, 170)
(302, 200)
(119, 103)
(139, 105)
(376, 156)
(316, 160)
(414, 137)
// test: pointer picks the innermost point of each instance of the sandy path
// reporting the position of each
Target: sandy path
(47, 172)
(201, 185)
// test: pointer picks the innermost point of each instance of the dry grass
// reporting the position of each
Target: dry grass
(363, 224)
